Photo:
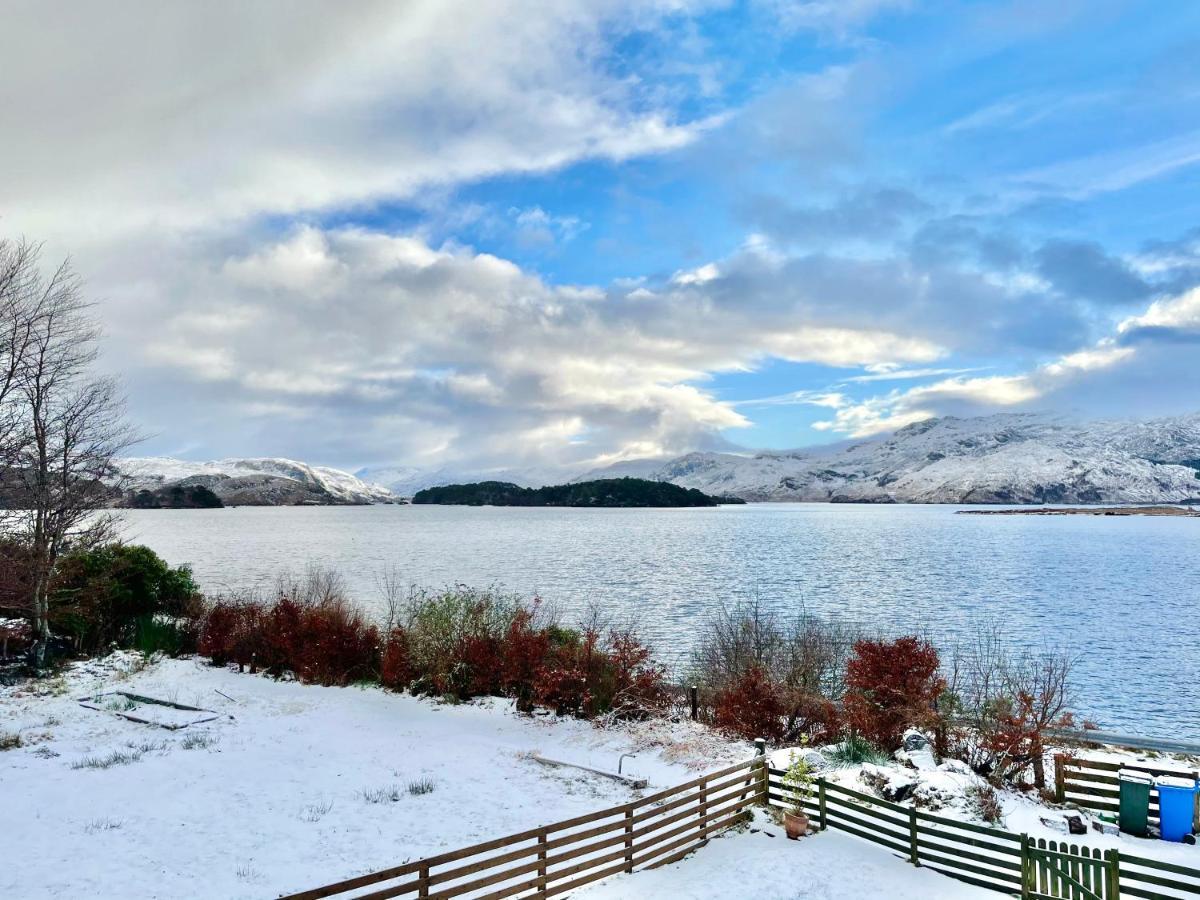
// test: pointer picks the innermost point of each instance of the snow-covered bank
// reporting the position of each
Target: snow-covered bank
(276, 795)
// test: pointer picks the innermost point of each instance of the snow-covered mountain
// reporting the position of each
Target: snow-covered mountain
(253, 482)
(1014, 458)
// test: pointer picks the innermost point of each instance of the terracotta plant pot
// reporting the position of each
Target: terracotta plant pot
(796, 825)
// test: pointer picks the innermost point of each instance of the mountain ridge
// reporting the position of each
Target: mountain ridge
(254, 481)
(1004, 458)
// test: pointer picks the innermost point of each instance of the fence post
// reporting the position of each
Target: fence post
(541, 870)
(423, 884)
(1060, 779)
(913, 856)
(1114, 874)
(1026, 867)
(703, 806)
(1196, 805)
(821, 802)
(629, 839)
(694, 695)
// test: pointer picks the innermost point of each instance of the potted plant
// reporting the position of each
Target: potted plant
(797, 787)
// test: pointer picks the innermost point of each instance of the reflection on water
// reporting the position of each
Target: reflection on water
(1122, 591)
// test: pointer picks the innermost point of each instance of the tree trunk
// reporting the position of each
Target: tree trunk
(1039, 766)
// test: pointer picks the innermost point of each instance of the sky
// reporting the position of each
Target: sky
(559, 235)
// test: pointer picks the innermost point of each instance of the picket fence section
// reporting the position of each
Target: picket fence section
(991, 858)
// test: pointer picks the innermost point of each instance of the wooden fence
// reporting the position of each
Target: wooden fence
(554, 859)
(991, 858)
(666, 826)
(1092, 784)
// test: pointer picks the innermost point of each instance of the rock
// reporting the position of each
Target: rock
(1075, 825)
(1054, 824)
(914, 740)
(896, 785)
(921, 759)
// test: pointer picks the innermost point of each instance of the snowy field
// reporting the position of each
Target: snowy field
(291, 787)
(275, 795)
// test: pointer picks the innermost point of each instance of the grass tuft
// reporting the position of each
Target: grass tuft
(389, 794)
(198, 741)
(10, 740)
(315, 812)
(102, 825)
(116, 758)
(855, 750)
(420, 786)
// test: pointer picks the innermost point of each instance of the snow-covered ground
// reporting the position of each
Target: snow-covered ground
(296, 786)
(270, 797)
(759, 863)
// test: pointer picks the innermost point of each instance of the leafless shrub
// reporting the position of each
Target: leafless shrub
(1000, 703)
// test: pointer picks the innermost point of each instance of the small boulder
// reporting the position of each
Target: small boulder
(914, 740)
(891, 784)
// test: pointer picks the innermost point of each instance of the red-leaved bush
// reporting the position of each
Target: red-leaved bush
(891, 685)
(594, 674)
(459, 644)
(328, 642)
(750, 706)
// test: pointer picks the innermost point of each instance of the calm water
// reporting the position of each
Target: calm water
(1123, 591)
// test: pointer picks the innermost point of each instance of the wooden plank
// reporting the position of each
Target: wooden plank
(840, 803)
(840, 815)
(999, 862)
(954, 862)
(899, 847)
(1161, 881)
(886, 804)
(1159, 864)
(970, 841)
(968, 826)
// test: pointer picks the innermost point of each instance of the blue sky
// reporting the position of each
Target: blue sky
(562, 235)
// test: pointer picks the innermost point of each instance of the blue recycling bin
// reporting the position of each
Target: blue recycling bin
(1176, 806)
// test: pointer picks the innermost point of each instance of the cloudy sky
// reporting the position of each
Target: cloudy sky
(566, 233)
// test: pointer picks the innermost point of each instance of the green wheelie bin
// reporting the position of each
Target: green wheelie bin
(1135, 801)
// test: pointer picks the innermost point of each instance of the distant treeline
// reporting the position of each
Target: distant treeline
(601, 492)
(175, 496)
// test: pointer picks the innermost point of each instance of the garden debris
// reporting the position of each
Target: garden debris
(616, 776)
(148, 710)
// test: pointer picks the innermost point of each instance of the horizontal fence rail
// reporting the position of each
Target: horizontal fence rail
(1093, 783)
(992, 858)
(554, 859)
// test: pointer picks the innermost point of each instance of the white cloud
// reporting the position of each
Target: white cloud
(349, 329)
(159, 115)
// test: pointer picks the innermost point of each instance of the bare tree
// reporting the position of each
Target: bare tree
(1000, 704)
(65, 426)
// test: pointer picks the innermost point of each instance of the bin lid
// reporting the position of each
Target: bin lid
(1174, 781)
(1135, 775)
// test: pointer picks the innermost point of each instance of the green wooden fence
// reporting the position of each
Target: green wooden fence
(1092, 783)
(992, 858)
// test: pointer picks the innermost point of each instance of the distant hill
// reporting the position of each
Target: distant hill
(605, 492)
(268, 481)
(1010, 458)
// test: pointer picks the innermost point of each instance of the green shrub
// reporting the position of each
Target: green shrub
(125, 595)
(856, 749)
